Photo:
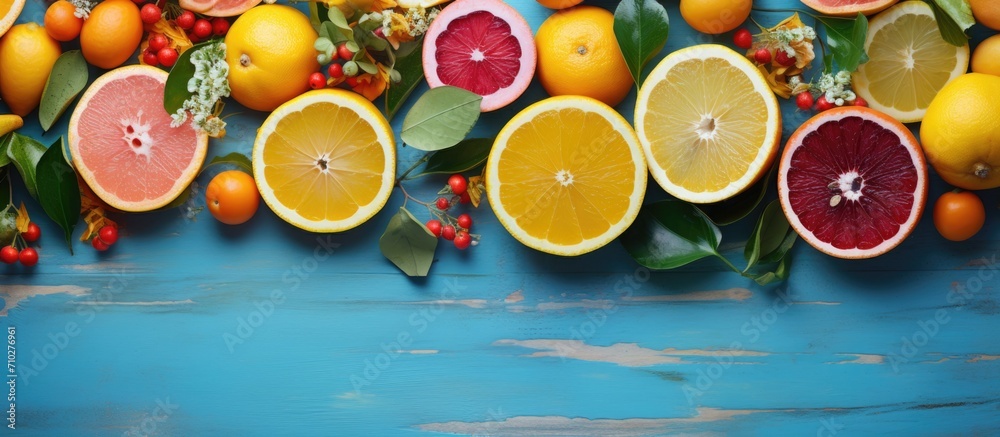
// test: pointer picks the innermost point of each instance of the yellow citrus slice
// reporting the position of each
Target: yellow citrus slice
(908, 61)
(9, 10)
(325, 161)
(566, 175)
(708, 123)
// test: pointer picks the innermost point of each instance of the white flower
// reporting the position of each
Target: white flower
(83, 8)
(208, 85)
(809, 33)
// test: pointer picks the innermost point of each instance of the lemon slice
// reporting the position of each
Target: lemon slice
(708, 123)
(325, 161)
(908, 62)
(566, 175)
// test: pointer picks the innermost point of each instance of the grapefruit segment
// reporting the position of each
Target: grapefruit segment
(219, 8)
(848, 8)
(852, 182)
(484, 46)
(122, 143)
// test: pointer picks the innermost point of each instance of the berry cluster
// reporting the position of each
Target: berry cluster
(454, 229)
(105, 238)
(28, 256)
(159, 51)
(771, 53)
(343, 67)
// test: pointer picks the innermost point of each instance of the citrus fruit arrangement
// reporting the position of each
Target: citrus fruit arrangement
(565, 175)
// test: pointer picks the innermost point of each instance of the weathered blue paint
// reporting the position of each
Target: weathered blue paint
(257, 330)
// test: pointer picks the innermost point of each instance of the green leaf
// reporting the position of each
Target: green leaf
(68, 77)
(5, 141)
(408, 244)
(846, 39)
(780, 273)
(953, 17)
(641, 28)
(25, 152)
(441, 118)
(670, 234)
(411, 70)
(338, 19)
(770, 231)
(465, 156)
(5, 190)
(367, 67)
(58, 190)
(735, 208)
(176, 90)
(237, 159)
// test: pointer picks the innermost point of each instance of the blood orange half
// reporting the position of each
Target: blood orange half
(122, 143)
(849, 8)
(219, 8)
(852, 182)
(484, 46)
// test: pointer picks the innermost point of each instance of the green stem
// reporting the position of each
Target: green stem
(406, 173)
(728, 264)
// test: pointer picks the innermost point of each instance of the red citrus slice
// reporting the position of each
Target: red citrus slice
(219, 8)
(122, 143)
(483, 46)
(849, 8)
(852, 182)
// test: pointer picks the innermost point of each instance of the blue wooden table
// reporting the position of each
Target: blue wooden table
(189, 327)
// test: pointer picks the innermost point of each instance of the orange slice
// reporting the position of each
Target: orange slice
(9, 10)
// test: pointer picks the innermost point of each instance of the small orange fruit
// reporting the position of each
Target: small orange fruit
(578, 55)
(958, 215)
(112, 33)
(61, 23)
(558, 4)
(986, 12)
(715, 16)
(232, 197)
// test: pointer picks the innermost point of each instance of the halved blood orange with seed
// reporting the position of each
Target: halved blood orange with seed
(852, 182)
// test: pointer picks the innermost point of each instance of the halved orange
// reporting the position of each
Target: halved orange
(566, 175)
(9, 10)
(325, 161)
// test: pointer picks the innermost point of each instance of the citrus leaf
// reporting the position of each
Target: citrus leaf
(25, 152)
(68, 77)
(670, 234)
(641, 28)
(441, 118)
(58, 190)
(846, 38)
(176, 90)
(953, 17)
(735, 208)
(5, 190)
(780, 273)
(465, 156)
(768, 234)
(408, 244)
(237, 159)
(411, 70)
(5, 141)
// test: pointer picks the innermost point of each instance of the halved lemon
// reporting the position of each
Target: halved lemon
(908, 62)
(708, 123)
(566, 175)
(9, 10)
(325, 161)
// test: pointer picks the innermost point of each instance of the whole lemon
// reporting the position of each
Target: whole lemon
(960, 133)
(27, 54)
(270, 54)
(111, 34)
(578, 55)
(986, 12)
(715, 16)
(986, 58)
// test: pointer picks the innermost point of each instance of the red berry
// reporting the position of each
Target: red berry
(822, 104)
(458, 184)
(149, 57)
(336, 70)
(32, 234)
(220, 26)
(448, 232)
(464, 198)
(150, 13)
(435, 227)
(28, 257)
(464, 221)
(858, 101)
(804, 100)
(762, 56)
(99, 245)
(167, 56)
(157, 41)
(202, 28)
(186, 20)
(443, 204)
(8, 255)
(463, 240)
(317, 80)
(344, 52)
(743, 39)
(352, 81)
(108, 234)
(783, 59)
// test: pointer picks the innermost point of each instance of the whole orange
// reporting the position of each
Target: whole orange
(579, 55)
(559, 4)
(715, 16)
(111, 34)
(959, 215)
(986, 12)
(232, 197)
(60, 21)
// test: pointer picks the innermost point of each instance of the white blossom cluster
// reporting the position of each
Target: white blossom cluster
(836, 87)
(83, 8)
(209, 84)
(785, 37)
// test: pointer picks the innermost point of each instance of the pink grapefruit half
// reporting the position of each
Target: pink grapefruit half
(849, 8)
(122, 143)
(852, 182)
(484, 46)
(219, 8)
